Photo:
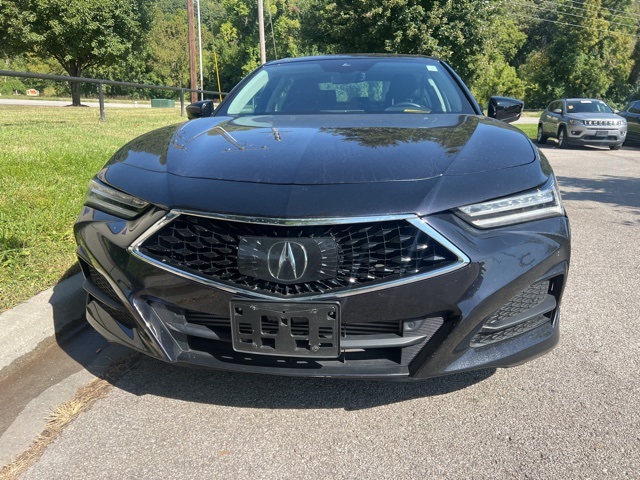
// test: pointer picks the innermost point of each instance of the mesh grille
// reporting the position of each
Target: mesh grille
(522, 302)
(100, 282)
(486, 338)
(120, 316)
(368, 253)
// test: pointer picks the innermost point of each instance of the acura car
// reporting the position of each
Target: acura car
(346, 216)
(582, 121)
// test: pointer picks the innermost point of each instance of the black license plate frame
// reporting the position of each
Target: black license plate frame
(286, 329)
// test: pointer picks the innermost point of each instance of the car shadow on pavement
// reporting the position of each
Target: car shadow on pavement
(152, 377)
(614, 190)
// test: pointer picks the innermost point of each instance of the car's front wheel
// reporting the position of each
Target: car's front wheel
(541, 138)
(562, 138)
(615, 147)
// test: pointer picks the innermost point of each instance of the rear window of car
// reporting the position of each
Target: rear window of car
(588, 106)
(346, 85)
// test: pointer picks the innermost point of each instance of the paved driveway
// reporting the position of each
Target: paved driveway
(574, 413)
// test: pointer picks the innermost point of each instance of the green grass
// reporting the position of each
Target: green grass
(47, 157)
(530, 129)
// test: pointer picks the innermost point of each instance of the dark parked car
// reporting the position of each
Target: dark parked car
(631, 113)
(349, 216)
(582, 121)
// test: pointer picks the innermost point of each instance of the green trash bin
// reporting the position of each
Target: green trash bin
(162, 103)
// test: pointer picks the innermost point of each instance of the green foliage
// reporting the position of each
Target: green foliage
(78, 34)
(169, 49)
(9, 85)
(587, 53)
(454, 31)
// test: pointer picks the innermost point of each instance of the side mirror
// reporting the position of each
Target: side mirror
(616, 111)
(557, 110)
(505, 109)
(200, 109)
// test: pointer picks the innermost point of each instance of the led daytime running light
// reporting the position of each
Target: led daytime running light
(541, 203)
(115, 202)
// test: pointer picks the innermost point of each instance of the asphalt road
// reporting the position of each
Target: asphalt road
(574, 413)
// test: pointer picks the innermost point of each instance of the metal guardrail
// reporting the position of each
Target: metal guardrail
(101, 82)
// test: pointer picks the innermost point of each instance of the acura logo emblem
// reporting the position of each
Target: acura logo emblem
(288, 260)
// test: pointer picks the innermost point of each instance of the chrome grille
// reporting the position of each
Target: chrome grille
(367, 253)
(602, 123)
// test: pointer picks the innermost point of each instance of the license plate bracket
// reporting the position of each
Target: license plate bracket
(288, 329)
(602, 133)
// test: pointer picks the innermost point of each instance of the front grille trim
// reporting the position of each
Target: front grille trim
(461, 258)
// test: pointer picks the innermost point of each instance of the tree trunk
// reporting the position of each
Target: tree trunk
(75, 70)
(75, 94)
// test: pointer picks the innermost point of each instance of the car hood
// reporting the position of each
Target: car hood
(329, 149)
(594, 116)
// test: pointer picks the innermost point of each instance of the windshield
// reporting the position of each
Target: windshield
(588, 106)
(349, 85)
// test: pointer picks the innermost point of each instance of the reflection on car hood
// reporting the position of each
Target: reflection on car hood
(329, 149)
(594, 116)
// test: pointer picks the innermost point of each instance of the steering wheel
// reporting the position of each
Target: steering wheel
(399, 107)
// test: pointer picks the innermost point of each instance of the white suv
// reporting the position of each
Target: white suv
(582, 121)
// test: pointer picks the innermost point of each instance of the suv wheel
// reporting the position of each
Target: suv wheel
(615, 147)
(541, 138)
(562, 138)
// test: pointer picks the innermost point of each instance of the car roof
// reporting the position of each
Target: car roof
(350, 56)
(583, 98)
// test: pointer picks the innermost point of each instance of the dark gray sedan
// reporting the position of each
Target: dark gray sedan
(631, 113)
(582, 121)
(348, 216)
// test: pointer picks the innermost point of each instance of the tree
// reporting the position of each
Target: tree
(588, 51)
(78, 34)
(236, 36)
(454, 31)
(168, 49)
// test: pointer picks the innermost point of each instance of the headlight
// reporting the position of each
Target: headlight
(109, 200)
(535, 204)
(574, 121)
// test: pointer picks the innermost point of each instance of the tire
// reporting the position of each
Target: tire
(562, 138)
(615, 147)
(541, 137)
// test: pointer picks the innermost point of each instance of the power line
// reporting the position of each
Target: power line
(519, 15)
(558, 5)
(582, 17)
(603, 8)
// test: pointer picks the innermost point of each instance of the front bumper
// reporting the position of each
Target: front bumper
(600, 136)
(441, 321)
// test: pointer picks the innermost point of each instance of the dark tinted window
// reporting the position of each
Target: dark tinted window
(634, 108)
(343, 85)
(588, 106)
(555, 106)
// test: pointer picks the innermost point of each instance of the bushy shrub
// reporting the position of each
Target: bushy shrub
(8, 85)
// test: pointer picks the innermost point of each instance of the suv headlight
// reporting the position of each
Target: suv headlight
(574, 121)
(107, 199)
(535, 204)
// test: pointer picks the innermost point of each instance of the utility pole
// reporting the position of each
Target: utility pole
(200, 52)
(193, 74)
(263, 51)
